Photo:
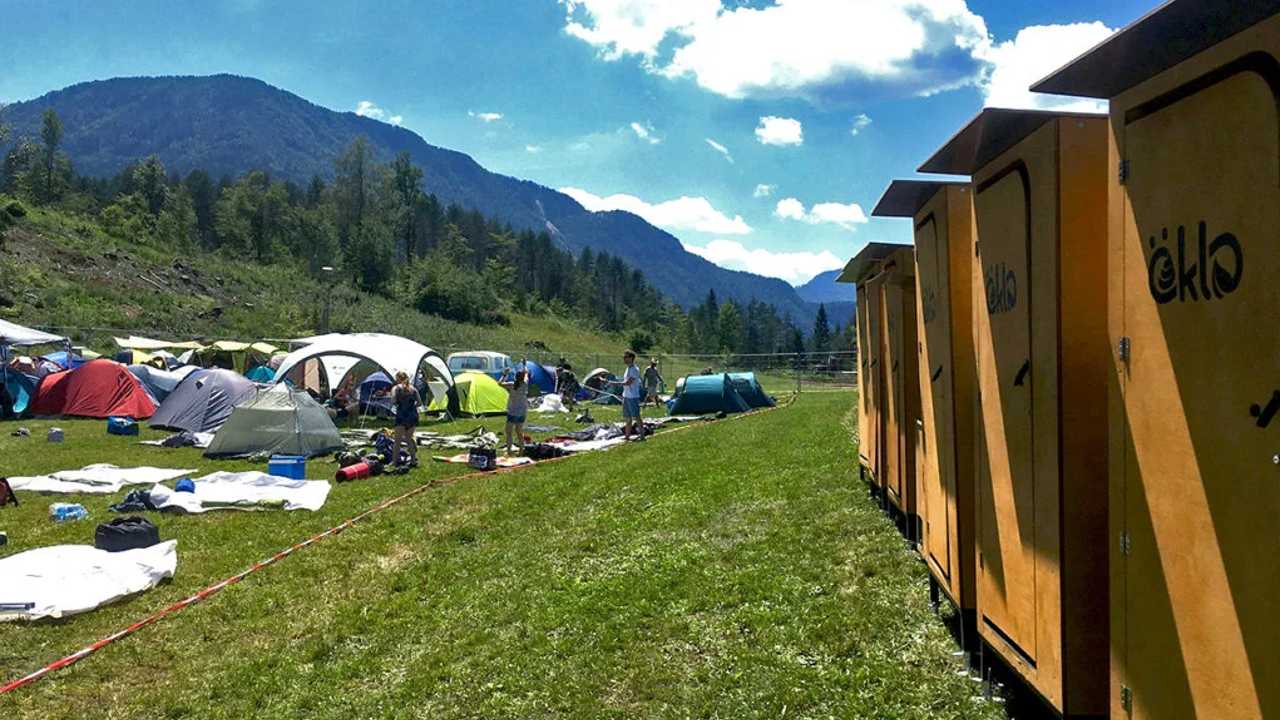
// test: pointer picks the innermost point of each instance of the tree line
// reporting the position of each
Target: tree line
(374, 227)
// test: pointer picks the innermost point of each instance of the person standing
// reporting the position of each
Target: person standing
(652, 381)
(630, 383)
(517, 408)
(405, 399)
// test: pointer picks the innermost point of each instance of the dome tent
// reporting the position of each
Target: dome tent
(701, 394)
(159, 383)
(97, 389)
(749, 388)
(279, 420)
(339, 353)
(203, 401)
(479, 394)
(541, 378)
(261, 374)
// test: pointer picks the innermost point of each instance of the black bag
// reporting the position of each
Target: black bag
(126, 533)
(482, 458)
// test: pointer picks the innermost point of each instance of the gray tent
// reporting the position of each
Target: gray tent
(159, 384)
(203, 401)
(279, 420)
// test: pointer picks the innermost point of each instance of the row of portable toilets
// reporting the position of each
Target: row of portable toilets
(1070, 386)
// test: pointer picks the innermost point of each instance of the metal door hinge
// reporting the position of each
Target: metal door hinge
(1124, 349)
(1124, 172)
(1126, 543)
(1126, 698)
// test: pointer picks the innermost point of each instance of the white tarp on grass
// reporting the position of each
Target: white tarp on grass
(66, 580)
(101, 479)
(243, 491)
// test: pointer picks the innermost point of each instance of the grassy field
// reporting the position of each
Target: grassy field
(729, 570)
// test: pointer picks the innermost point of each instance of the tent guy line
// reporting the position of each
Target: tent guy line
(218, 587)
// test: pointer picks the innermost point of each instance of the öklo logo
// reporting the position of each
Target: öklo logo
(1189, 278)
(1002, 289)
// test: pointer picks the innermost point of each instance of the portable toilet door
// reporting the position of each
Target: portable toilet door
(864, 384)
(1195, 472)
(942, 217)
(901, 385)
(1040, 189)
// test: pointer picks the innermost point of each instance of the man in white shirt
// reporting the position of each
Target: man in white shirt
(631, 387)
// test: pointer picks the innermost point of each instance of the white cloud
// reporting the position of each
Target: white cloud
(720, 149)
(1035, 52)
(763, 190)
(683, 213)
(861, 122)
(645, 133)
(637, 27)
(485, 117)
(366, 108)
(794, 267)
(847, 216)
(396, 120)
(807, 48)
(533, 148)
(782, 131)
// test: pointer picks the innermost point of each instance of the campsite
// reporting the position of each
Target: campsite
(770, 359)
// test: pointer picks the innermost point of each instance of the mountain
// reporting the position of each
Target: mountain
(227, 125)
(823, 288)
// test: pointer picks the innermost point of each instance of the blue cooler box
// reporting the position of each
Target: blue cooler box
(290, 466)
(122, 426)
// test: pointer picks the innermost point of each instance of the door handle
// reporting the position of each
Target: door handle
(1266, 414)
(1022, 374)
(936, 374)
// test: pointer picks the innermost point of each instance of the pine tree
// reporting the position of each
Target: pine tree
(821, 341)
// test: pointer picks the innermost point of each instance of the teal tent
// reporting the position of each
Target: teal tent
(749, 388)
(261, 374)
(701, 394)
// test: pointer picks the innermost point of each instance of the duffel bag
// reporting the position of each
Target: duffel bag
(126, 533)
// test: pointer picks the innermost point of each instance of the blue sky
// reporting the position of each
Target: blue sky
(730, 123)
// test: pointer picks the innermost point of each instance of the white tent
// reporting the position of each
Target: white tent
(12, 335)
(338, 353)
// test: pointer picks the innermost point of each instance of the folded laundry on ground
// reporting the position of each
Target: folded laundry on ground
(183, 439)
(503, 462)
(243, 491)
(543, 428)
(65, 580)
(101, 479)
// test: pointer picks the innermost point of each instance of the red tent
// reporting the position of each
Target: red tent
(97, 389)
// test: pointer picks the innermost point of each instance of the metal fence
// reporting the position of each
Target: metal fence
(778, 372)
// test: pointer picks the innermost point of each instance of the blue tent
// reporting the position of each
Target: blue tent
(370, 403)
(261, 374)
(542, 379)
(65, 360)
(749, 388)
(701, 394)
(20, 388)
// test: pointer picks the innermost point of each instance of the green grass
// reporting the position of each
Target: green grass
(728, 570)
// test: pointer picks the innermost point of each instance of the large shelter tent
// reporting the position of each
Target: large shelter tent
(98, 389)
(232, 355)
(337, 354)
(280, 420)
(479, 394)
(17, 389)
(203, 401)
(701, 394)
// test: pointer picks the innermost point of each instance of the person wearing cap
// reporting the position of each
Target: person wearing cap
(652, 381)
(405, 399)
(630, 384)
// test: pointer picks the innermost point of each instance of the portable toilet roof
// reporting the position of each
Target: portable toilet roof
(203, 401)
(479, 394)
(701, 394)
(97, 389)
(905, 198)
(277, 420)
(867, 262)
(991, 132)
(749, 388)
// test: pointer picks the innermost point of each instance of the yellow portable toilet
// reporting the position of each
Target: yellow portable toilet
(942, 216)
(1194, 90)
(861, 271)
(1040, 348)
